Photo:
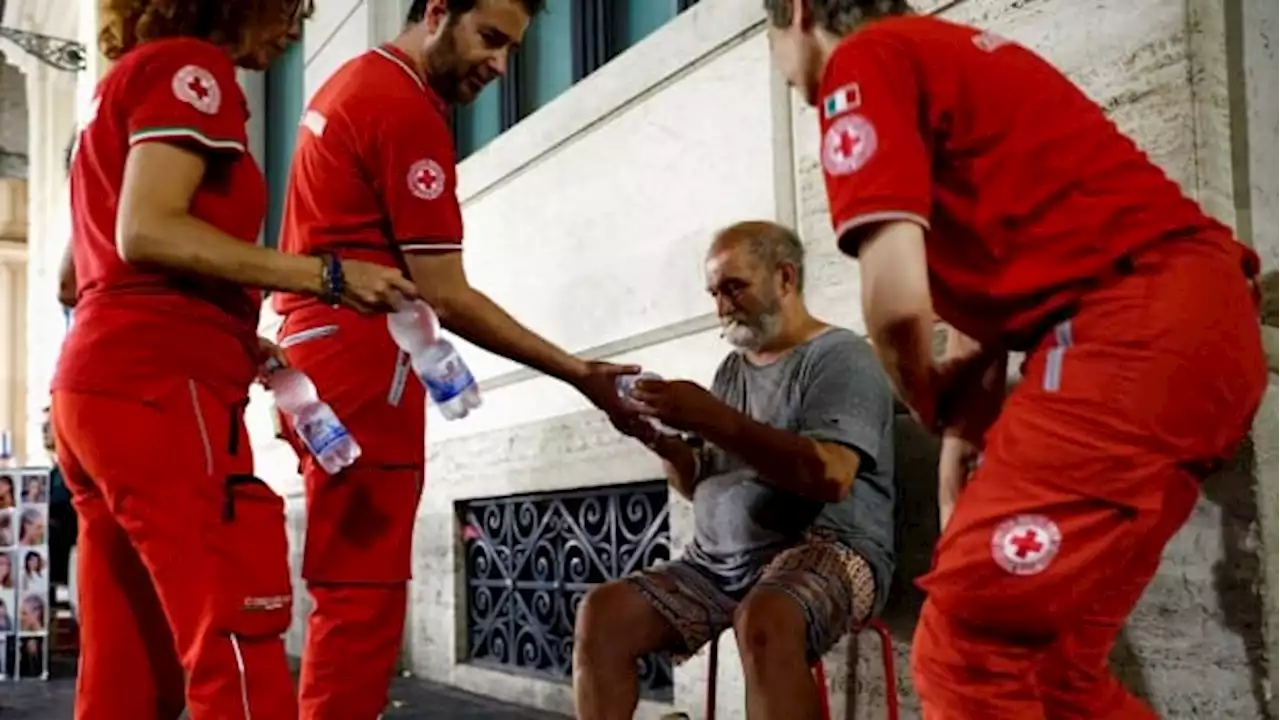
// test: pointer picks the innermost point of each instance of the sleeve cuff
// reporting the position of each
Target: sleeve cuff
(847, 229)
(429, 247)
(865, 443)
(184, 134)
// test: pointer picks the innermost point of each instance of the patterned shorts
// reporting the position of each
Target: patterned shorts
(833, 585)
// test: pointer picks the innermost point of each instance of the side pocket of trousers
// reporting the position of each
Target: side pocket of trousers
(255, 594)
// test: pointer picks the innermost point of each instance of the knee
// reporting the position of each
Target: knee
(770, 627)
(601, 627)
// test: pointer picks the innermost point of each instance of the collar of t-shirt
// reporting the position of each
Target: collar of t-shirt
(395, 55)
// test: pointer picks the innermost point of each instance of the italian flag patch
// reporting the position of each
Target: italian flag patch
(841, 101)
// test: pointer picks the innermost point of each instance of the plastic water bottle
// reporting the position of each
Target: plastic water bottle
(448, 380)
(626, 383)
(319, 428)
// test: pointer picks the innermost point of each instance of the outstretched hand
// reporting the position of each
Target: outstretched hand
(600, 385)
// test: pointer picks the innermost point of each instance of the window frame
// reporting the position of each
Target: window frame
(592, 46)
(273, 105)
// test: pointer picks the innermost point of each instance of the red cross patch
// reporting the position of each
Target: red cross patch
(197, 87)
(426, 179)
(1025, 544)
(848, 145)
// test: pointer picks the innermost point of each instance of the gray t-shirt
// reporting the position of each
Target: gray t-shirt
(831, 389)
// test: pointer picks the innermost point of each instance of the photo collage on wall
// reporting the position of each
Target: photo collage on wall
(24, 574)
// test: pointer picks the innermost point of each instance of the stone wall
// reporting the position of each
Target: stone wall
(614, 189)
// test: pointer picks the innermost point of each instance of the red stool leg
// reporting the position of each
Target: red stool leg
(713, 658)
(890, 676)
(820, 679)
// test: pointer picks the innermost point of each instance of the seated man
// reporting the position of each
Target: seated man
(789, 463)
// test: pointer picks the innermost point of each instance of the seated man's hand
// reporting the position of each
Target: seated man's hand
(679, 404)
(639, 427)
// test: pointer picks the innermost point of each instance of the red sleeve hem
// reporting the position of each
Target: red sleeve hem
(424, 246)
(850, 224)
(186, 135)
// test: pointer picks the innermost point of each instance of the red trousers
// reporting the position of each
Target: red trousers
(1093, 465)
(182, 560)
(360, 521)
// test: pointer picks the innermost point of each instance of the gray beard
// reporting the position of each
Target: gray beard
(753, 337)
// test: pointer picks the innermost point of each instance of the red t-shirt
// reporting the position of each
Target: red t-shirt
(374, 174)
(1027, 191)
(138, 331)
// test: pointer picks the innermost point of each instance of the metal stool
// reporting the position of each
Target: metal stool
(820, 675)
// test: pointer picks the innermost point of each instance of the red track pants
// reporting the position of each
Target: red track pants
(182, 561)
(360, 521)
(1094, 464)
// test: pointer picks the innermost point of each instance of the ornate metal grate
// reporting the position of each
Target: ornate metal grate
(55, 52)
(531, 559)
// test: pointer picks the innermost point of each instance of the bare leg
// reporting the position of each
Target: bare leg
(616, 626)
(770, 628)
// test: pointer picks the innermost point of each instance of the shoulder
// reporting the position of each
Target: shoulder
(170, 53)
(899, 38)
(912, 29)
(187, 65)
(839, 343)
(355, 81)
(405, 109)
(729, 368)
(842, 353)
(891, 33)
(376, 86)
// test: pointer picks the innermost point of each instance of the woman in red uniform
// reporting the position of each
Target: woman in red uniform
(183, 555)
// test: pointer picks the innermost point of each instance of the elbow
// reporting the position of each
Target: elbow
(445, 306)
(67, 288)
(449, 302)
(899, 327)
(140, 237)
(134, 244)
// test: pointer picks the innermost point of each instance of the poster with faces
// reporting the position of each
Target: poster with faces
(24, 573)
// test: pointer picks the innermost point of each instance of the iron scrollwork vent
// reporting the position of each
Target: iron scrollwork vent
(531, 559)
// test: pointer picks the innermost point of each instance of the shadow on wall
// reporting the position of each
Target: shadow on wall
(1236, 574)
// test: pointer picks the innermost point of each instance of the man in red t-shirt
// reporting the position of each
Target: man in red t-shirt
(971, 178)
(374, 178)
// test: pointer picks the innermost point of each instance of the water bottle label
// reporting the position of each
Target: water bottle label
(454, 377)
(321, 434)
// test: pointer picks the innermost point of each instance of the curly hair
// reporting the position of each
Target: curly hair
(240, 26)
(838, 16)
